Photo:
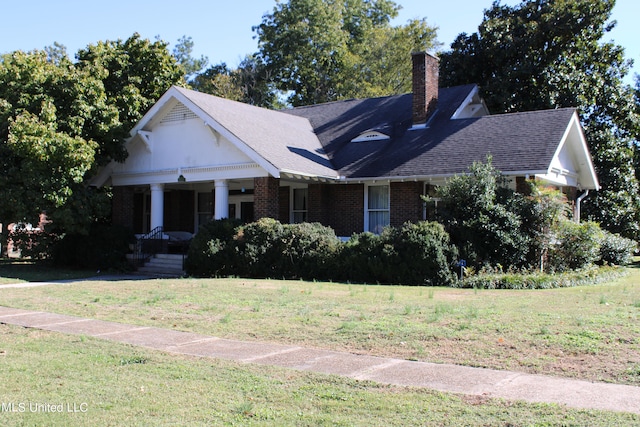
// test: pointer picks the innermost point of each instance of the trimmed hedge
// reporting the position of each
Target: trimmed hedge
(212, 252)
(267, 248)
(415, 254)
(587, 276)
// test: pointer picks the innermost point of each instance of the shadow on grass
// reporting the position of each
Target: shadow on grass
(22, 270)
(635, 263)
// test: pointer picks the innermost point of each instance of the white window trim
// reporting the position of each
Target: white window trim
(366, 202)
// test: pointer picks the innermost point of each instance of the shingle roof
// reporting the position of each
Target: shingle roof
(287, 142)
(316, 140)
(522, 142)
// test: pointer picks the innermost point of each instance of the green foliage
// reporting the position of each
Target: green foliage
(482, 218)
(494, 226)
(50, 114)
(414, 254)
(104, 248)
(60, 120)
(212, 251)
(534, 280)
(268, 248)
(32, 244)
(249, 83)
(554, 49)
(182, 53)
(616, 250)
(577, 246)
(313, 47)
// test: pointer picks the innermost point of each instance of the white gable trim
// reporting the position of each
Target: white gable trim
(192, 174)
(468, 108)
(209, 121)
(585, 176)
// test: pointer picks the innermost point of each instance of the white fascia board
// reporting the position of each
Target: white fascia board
(468, 100)
(290, 173)
(437, 177)
(155, 109)
(212, 123)
(574, 124)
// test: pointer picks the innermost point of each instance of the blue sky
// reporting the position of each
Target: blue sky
(221, 30)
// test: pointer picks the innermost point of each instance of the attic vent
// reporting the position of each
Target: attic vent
(178, 113)
(370, 136)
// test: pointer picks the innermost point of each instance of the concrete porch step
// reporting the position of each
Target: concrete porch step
(163, 265)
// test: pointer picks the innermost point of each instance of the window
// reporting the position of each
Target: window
(205, 208)
(299, 211)
(377, 208)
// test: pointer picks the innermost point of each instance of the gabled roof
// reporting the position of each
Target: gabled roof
(519, 143)
(316, 141)
(276, 141)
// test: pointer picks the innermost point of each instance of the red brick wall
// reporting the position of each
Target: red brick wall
(122, 207)
(266, 198)
(425, 74)
(406, 204)
(339, 206)
(317, 208)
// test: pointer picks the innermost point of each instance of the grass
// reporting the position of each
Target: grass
(17, 271)
(585, 332)
(589, 333)
(96, 382)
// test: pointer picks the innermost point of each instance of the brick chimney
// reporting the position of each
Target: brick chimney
(425, 86)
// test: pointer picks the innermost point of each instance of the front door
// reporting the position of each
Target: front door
(246, 212)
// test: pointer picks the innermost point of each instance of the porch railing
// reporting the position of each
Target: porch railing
(148, 245)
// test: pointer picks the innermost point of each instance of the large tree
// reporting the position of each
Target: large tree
(249, 83)
(183, 52)
(52, 117)
(550, 53)
(135, 73)
(325, 50)
(60, 119)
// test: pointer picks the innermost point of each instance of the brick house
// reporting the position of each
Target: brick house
(354, 165)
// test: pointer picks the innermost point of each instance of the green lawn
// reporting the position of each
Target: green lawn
(17, 271)
(108, 384)
(586, 332)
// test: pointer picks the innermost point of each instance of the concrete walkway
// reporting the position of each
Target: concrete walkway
(446, 378)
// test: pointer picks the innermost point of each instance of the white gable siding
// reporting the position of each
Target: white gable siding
(187, 147)
(571, 165)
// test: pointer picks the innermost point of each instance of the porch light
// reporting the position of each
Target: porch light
(181, 178)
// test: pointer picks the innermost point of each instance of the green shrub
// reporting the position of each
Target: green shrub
(212, 251)
(418, 254)
(104, 248)
(616, 250)
(33, 244)
(414, 254)
(577, 246)
(260, 249)
(268, 248)
(362, 259)
(586, 276)
(311, 250)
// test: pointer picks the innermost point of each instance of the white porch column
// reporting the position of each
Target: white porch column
(221, 209)
(157, 205)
